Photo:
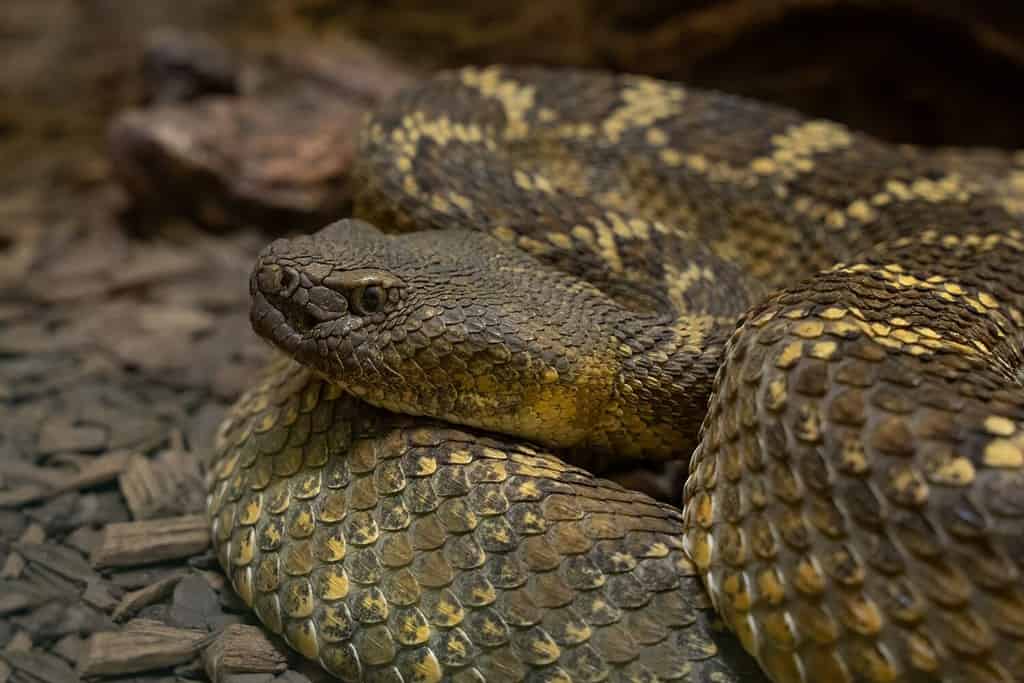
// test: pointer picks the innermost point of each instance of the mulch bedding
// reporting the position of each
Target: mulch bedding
(124, 337)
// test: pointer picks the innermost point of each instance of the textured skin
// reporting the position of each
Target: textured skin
(854, 506)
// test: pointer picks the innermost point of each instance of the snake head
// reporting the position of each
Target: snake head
(309, 293)
(452, 324)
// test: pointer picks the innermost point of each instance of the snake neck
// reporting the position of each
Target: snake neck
(664, 369)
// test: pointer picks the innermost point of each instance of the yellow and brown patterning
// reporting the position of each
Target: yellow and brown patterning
(586, 261)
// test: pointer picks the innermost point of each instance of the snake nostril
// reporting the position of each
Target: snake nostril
(274, 280)
(268, 279)
(289, 281)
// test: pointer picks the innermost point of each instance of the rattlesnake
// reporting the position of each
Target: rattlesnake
(829, 327)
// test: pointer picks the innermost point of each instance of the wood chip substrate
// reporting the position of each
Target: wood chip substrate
(127, 230)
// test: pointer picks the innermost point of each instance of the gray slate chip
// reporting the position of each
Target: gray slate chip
(83, 539)
(55, 620)
(12, 524)
(105, 507)
(195, 605)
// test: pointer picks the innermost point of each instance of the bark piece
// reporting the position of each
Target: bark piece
(163, 486)
(41, 666)
(57, 619)
(18, 594)
(240, 649)
(61, 560)
(277, 154)
(15, 563)
(136, 578)
(126, 544)
(21, 495)
(143, 645)
(21, 642)
(26, 473)
(70, 648)
(60, 433)
(83, 539)
(100, 471)
(101, 595)
(96, 471)
(154, 592)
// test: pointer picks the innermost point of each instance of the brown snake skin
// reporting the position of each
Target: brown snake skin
(855, 502)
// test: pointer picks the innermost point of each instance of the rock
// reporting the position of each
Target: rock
(194, 604)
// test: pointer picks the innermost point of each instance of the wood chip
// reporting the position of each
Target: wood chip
(61, 560)
(143, 487)
(168, 485)
(134, 578)
(22, 495)
(96, 471)
(17, 595)
(101, 470)
(60, 433)
(83, 539)
(241, 648)
(27, 473)
(143, 645)
(59, 618)
(154, 592)
(21, 642)
(69, 647)
(41, 666)
(15, 563)
(127, 544)
(101, 595)
(55, 584)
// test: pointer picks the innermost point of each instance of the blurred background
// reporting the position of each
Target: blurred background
(149, 149)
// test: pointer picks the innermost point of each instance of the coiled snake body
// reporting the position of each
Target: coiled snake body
(577, 249)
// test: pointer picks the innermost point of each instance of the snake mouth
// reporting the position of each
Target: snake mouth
(282, 310)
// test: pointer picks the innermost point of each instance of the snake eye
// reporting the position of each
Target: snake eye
(369, 299)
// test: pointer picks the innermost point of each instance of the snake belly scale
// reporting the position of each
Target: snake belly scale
(573, 263)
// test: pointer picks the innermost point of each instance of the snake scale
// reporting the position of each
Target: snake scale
(561, 263)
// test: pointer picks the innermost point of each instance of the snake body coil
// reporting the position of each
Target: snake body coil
(579, 249)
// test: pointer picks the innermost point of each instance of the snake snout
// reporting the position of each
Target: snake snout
(294, 298)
